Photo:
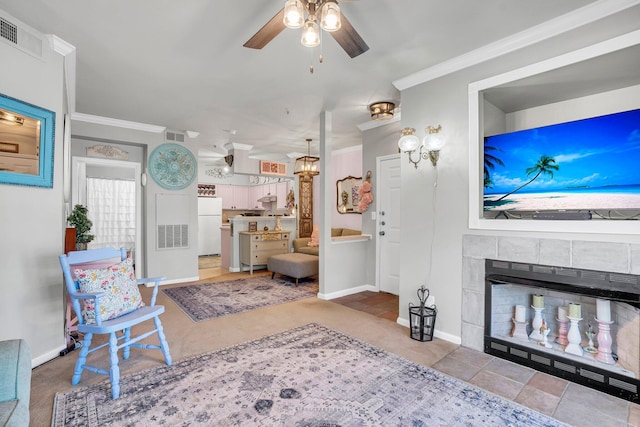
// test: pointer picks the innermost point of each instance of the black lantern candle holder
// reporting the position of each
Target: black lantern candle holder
(422, 319)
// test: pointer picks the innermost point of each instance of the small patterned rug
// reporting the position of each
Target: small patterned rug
(308, 376)
(209, 300)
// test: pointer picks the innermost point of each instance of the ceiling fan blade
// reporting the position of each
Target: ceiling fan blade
(349, 39)
(268, 32)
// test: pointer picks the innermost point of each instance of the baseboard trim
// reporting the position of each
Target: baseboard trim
(174, 281)
(346, 292)
(48, 356)
(438, 334)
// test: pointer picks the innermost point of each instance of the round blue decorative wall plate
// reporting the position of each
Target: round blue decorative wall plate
(172, 166)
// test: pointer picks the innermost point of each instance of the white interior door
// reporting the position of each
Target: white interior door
(388, 224)
(105, 170)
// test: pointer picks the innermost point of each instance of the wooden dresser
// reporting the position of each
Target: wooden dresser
(257, 246)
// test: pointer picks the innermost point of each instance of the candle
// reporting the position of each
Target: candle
(520, 313)
(562, 314)
(574, 311)
(603, 310)
(538, 301)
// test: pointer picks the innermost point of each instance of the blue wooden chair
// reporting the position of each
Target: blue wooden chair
(98, 259)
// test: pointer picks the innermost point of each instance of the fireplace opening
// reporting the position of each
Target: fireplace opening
(580, 325)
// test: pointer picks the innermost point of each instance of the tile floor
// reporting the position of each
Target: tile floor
(569, 402)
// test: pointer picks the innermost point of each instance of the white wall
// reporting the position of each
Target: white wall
(177, 264)
(31, 218)
(441, 214)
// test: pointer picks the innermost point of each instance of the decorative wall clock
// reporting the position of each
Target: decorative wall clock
(172, 166)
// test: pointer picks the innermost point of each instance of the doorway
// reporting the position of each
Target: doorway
(111, 191)
(388, 224)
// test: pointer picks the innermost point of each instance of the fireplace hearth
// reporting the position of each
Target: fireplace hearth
(509, 284)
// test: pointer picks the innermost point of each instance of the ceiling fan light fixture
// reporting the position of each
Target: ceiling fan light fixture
(382, 110)
(310, 32)
(330, 16)
(293, 14)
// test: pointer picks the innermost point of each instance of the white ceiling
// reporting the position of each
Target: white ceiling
(181, 64)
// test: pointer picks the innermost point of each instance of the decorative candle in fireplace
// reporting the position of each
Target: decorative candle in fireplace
(575, 311)
(562, 314)
(603, 310)
(538, 301)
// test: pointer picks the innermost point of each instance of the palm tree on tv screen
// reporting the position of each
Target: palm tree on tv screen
(545, 165)
(490, 162)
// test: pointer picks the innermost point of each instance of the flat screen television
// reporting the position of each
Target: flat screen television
(590, 166)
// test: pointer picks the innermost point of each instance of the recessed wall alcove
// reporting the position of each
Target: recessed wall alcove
(597, 80)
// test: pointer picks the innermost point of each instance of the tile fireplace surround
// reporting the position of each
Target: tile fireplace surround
(574, 254)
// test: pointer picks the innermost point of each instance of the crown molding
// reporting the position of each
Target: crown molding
(372, 124)
(107, 121)
(554, 27)
(60, 46)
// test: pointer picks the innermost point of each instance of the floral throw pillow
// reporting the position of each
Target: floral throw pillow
(119, 283)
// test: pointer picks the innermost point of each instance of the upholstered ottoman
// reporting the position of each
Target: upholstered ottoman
(294, 265)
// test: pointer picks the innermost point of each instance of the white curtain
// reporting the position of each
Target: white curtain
(112, 209)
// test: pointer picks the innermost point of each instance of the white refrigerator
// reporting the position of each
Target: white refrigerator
(209, 223)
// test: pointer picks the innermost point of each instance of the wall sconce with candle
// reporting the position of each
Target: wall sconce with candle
(430, 148)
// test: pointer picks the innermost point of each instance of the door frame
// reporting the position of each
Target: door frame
(79, 191)
(379, 160)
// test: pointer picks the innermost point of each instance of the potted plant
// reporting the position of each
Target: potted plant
(82, 224)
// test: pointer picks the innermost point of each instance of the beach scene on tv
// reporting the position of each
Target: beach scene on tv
(586, 165)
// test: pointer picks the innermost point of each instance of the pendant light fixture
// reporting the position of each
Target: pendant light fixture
(307, 165)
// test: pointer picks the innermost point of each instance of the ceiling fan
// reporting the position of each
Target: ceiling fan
(292, 15)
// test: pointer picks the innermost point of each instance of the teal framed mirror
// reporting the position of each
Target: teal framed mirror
(26, 143)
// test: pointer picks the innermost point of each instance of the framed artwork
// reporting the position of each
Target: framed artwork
(253, 226)
(26, 143)
(347, 195)
(273, 168)
(172, 166)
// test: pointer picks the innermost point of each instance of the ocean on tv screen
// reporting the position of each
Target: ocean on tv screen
(590, 164)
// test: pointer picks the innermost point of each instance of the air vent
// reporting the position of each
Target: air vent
(592, 375)
(519, 353)
(624, 385)
(565, 367)
(541, 360)
(8, 31)
(171, 236)
(20, 38)
(500, 347)
(174, 136)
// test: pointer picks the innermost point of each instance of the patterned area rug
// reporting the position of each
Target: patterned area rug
(209, 300)
(308, 376)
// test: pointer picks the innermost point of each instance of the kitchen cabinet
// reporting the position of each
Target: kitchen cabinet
(225, 192)
(257, 247)
(234, 196)
(256, 192)
(282, 189)
(241, 197)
